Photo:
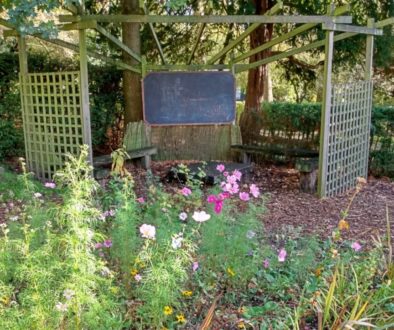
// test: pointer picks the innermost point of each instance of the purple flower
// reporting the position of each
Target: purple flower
(220, 168)
(356, 246)
(266, 263)
(244, 196)
(107, 243)
(186, 191)
(195, 266)
(282, 255)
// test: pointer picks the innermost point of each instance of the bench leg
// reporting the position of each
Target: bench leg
(246, 159)
(146, 162)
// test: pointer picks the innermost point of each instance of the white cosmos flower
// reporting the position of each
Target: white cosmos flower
(148, 231)
(183, 216)
(201, 216)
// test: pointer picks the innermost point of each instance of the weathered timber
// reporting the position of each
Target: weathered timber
(144, 153)
(214, 19)
(308, 168)
(352, 28)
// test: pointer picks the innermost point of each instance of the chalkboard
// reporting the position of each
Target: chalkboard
(178, 98)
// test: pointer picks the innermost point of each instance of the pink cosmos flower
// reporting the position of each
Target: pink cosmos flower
(225, 174)
(195, 266)
(282, 255)
(234, 189)
(244, 196)
(222, 196)
(218, 206)
(186, 191)
(148, 231)
(237, 174)
(98, 245)
(254, 190)
(211, 199)
(138, 277)
(266, 263)
(107, 243)
(232, 179)
(220, 168)
(356, 246)
(50, 185)
(140, 200)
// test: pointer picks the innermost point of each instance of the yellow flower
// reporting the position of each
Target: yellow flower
(241, 325)
(167, 310)
(318, 271)
(180, 318)
(114, 290)
(335, 254)
(343, 225)
(230, 272)
(134, 272)
(187, 293)
(5, 300)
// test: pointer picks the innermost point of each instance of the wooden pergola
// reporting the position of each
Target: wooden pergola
(333, 21)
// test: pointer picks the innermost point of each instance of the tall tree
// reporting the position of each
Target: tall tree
(257, 78)
(132, 91)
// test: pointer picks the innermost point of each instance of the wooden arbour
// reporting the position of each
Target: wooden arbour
(334, 21)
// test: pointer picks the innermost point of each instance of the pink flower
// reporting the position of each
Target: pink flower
(244, 196)
(107, 243)
(222, 196)
(183, 216)
(186, 191)
(266, 263)
(234, 189)
(282, 255)
(237, 174)
(195, 266)
(220, 168)
(138, 277)
(356, 246)
(225, 174)
(232, 179)
(148, 231)
(218, 207)
(211, 199)
(98, 245)
(226, 186)
(254, 190)
(50, 185)
(140, 200)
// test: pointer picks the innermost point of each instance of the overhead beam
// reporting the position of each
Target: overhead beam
(352, 28)
(214, 19)
(274, 10)
(6, 23)
(296, 31)
(385, 22)
(118, 43)
(192, 67)
(79, 26)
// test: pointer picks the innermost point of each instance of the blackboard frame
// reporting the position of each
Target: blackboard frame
(222, 73)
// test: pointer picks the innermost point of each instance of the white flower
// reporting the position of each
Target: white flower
(14, 218)
(250, 234)
(61, 307)
(177, 241)
(148, 231)
(183, 216)
(68, 294)
(201, 216)
(37, 195)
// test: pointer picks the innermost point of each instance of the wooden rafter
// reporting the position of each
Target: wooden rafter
(274, 10)
(213, 19)
(352, 28)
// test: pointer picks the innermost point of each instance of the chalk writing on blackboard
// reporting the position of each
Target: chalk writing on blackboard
(177, 98)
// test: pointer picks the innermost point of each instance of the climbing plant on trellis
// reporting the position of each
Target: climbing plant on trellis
(52, 119)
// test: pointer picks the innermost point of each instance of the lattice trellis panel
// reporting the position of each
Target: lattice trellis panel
(348, 136)
(52, 119)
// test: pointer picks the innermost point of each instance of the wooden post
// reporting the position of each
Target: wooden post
(369, 52)
(83, 63)
(326, 110)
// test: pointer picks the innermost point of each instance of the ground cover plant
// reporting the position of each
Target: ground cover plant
(76, 255)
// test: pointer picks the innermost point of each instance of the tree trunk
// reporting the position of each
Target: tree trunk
(132, 91)
(256, 77)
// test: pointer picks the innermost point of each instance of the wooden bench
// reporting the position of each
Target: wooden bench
(306, 161)
(144, 153)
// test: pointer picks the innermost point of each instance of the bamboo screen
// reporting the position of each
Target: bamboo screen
(52, 119)
(349, 131)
